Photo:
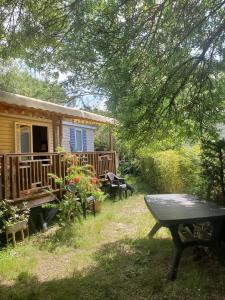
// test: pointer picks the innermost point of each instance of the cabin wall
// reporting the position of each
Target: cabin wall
(7, 130)
(66, 136)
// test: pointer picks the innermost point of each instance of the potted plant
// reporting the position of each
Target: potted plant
(80, 184)
(99, 198)
(12, 218)
(86, 184)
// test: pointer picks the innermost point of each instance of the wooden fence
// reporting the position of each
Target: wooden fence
(23, 176)
(101, 161)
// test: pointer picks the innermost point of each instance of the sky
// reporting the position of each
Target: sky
(89, 100)
(95, 102)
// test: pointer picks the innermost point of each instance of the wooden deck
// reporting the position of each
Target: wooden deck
(24, 177)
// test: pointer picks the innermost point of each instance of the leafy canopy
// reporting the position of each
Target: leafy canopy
(160, 63)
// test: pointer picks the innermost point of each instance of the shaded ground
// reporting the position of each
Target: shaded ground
(107, 257)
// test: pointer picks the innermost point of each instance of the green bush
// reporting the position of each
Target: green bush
(213, 161)
(77, 186)
(172, 171)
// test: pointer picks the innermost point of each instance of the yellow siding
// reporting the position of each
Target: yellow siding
(7, 131)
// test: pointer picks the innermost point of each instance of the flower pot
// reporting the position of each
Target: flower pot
(20, 225)
(98, 206)
(12, 229)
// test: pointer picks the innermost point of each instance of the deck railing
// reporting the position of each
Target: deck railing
(24, 176)
(101, 161)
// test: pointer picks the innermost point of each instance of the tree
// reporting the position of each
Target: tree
(160, 63)
(15, 80)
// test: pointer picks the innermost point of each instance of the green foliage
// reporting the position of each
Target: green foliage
(99, 195)
(78, 185)
(15, 80)
(172, 171)
(102, 138)
(11, 214)
(160, 63)
(69, 209)
(213, 160)
(83, 180)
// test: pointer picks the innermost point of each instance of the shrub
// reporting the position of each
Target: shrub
(78, 185)
(129, 166)
(213, 160)
(172, 171)
(11, 214)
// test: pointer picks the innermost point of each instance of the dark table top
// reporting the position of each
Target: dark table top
(181, 208)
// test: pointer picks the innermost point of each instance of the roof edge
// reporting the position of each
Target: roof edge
(69, 112)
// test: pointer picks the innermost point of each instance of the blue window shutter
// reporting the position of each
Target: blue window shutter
(72, 140)
(84, 138)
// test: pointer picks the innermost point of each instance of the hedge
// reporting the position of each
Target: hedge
(172, 171)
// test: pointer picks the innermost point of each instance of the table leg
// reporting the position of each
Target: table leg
(177, 252)
(216, 244)
(154, 229)
(179, 246)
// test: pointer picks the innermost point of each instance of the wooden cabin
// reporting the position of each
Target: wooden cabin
(30, 132)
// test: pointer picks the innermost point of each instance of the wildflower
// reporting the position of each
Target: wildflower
(76, 179)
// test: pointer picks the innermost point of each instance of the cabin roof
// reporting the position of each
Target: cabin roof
(67, 112)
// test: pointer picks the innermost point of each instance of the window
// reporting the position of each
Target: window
(77, 138)
(23, 138)
(79, 143)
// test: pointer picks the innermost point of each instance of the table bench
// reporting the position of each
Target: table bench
(176, 211)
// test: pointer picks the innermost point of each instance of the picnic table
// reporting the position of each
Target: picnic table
(180, 213)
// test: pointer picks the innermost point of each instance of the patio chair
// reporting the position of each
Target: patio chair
(118, 184)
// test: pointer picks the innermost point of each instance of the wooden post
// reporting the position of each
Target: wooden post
(60, 132)
(6, 178)
(13, 177)
(110, 139)
(55, 139)
(60, 173)
(18, 176)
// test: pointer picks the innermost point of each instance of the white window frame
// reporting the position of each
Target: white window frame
(17, 143)
(17, 138)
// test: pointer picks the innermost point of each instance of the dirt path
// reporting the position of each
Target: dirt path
(122, 224)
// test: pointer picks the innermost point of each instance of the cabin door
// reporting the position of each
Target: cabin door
(40, 138)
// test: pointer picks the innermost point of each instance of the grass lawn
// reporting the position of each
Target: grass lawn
(107, 257)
